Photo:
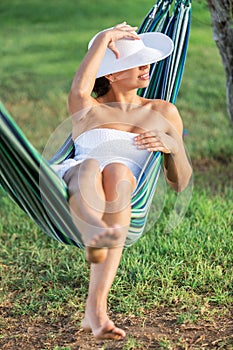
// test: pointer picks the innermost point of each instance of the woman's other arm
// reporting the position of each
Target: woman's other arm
(177, 168)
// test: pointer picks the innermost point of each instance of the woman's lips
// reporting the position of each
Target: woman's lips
(144, 76)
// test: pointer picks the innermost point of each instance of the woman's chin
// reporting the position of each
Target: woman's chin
(143, 84)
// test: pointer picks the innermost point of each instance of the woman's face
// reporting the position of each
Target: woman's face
(137, 77)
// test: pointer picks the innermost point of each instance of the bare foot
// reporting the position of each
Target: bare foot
(85, 325)
(107, 238)
(97, 249)
(105, 331)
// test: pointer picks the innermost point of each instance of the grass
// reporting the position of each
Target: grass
(188, 267)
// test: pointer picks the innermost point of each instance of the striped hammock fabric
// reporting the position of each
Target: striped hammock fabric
(31, 182)
(39, 191)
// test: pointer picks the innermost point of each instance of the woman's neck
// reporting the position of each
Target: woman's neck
(127, 98)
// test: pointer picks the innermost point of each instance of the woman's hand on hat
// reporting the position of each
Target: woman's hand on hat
(156, 140)
(121, 31)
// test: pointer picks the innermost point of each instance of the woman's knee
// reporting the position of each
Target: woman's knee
(118, 184)
(116, 173)
(89, 167)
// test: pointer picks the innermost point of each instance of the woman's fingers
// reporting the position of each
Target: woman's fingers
(153, 141)
(121, 31)
(155, 146)
(125, 26)
(114, 49)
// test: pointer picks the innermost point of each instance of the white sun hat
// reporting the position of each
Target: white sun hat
(152, 47)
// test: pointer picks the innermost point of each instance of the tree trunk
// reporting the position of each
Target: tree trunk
(222, 23)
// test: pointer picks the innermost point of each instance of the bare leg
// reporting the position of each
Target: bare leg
(87, 204)
(118, 184)
(101, 279)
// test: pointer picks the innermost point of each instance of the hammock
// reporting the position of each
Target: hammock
(32, 183)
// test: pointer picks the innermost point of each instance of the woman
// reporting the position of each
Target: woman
(100, 187)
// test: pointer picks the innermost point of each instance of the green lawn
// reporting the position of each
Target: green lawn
(188, 266)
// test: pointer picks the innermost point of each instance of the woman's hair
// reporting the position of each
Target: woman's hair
(101, 87)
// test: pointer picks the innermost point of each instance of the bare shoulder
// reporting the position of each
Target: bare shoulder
(169, 111)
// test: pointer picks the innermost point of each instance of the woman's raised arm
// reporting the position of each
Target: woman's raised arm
(84, 79)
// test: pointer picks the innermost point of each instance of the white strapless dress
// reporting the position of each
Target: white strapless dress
(107, 146)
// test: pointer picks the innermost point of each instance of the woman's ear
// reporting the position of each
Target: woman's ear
(110, 78)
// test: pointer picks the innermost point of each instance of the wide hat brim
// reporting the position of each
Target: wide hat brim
(157, 46)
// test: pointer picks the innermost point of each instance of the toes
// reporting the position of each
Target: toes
(100, 238)
(109, 331)
(108, 238)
